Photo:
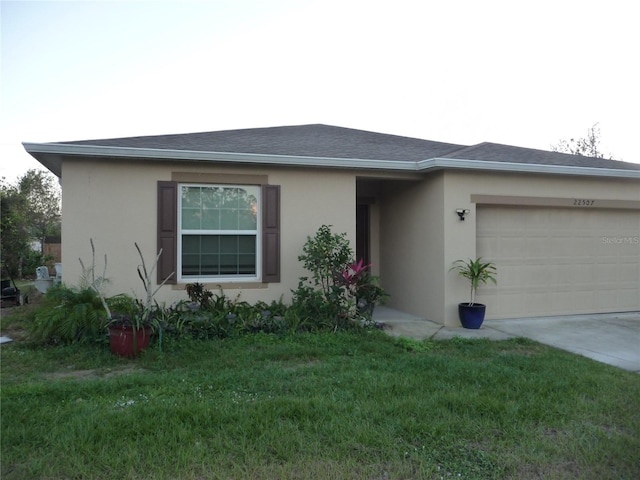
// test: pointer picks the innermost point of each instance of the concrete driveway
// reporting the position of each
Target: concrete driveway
(612, 338)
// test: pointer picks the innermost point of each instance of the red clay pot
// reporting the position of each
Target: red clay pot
(124, 343)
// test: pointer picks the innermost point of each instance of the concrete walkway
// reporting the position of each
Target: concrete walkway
(612, 338)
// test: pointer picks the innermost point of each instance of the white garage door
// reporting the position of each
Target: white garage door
(560, 261)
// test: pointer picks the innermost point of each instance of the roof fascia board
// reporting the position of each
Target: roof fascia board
(287, 160)
(196, 155)
(450, 163)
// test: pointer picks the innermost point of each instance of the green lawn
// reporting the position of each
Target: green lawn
(339, 406)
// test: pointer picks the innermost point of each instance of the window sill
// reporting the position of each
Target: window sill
(224, 285)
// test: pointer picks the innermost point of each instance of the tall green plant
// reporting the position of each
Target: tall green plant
(324, 298)
(146, 278)
(326, 255)
(89, 279)
(476, 271)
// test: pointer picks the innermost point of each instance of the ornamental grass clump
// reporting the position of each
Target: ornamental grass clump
(68, 315)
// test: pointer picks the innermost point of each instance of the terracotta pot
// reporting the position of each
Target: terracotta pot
(125, 342)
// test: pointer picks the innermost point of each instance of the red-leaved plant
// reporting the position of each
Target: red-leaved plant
(354, 272)
(362, 285)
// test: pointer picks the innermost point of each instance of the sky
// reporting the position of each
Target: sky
(526, 73)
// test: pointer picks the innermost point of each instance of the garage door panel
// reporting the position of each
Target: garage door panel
(627, 296)
(577, 274)
(534, 246)
(537, 300)
(606, 274)
(509, 275)
(607, 299)
(555, 261)
(557, 303)
(628, 273)
(510, 246)
(561, 246)
(602, 251)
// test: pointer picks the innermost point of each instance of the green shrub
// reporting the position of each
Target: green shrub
(318, 311)
(326, 255)
(322, 301)
(209, 315)
(340, 294)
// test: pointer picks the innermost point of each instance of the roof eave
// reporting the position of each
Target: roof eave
(50, 155)
(462, 164)
(48, 150)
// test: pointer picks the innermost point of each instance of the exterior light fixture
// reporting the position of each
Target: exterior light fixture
(462, 212)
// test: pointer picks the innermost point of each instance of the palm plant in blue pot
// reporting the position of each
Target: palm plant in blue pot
(476, 271)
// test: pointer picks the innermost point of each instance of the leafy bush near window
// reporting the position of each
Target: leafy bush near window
(340, 292)
(318, 311)
(215, 315)
(325, 255)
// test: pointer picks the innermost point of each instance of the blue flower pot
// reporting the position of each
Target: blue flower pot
(471, 316)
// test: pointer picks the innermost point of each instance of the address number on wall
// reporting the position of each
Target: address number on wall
(583, 202)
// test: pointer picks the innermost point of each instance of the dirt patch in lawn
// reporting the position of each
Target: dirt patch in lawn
(562, 469)
(15, 333)
(521, 346)
(14, 330)
(91, 374)
(14, 318)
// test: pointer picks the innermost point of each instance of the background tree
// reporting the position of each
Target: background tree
(29, 210)
(42, 193)
(588, 146)
(13, 228)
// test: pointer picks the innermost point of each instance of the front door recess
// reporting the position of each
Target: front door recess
(362, 233)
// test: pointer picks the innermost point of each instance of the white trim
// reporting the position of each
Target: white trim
(222, 157)
(525, 167)
(257, 233)
(50, 153)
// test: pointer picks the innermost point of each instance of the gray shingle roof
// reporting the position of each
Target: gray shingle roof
(317, 144)
(496, 152)
(301, 141)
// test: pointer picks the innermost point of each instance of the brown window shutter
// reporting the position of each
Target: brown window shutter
(167, 231)
(271, 233)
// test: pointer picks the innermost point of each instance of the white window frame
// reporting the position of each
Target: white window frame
(258, 234)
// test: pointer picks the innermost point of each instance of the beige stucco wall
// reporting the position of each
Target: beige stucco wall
(415, 232)
(421, 235)
(411, 245)
(460, 237)
(115, 204)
